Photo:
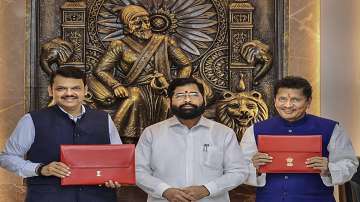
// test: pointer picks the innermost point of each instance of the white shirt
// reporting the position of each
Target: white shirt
(170, 155)
(342, 159)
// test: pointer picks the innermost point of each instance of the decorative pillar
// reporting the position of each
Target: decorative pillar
(73, 30)
(241, 31)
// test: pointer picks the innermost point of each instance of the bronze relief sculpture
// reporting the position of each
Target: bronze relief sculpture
(131, 49)
(142, 60)
(240, 110)
(135, 48)
(148, 44)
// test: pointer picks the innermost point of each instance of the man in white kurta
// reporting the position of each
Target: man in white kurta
(188, 157)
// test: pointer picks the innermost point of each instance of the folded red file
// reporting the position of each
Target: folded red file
(289, 152)
(96, 164)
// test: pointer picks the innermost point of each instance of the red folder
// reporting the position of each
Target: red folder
(289, 152)
(96, 164)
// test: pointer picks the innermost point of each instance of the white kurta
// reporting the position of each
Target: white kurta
(169, 154)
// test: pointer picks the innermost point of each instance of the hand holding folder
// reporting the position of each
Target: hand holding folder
(97, 164)
(289, 152)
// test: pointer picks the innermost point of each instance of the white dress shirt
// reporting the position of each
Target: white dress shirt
(342, 159)
(21, 139)
(170, 155)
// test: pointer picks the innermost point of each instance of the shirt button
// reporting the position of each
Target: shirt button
(290, 131)
(286, 177)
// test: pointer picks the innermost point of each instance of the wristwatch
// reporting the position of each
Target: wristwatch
(39, 168)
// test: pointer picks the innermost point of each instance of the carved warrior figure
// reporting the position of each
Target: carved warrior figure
(240, 110)
(142, 62)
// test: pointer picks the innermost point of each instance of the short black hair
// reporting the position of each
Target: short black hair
(68, 72)
(294, 82)
(183, 82)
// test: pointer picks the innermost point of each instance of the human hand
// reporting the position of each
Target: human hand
(159, 83)
(112, 184)
(198, 192)
(177, 195)
(319, 163)
(163, 83)
(260, 159)
(57, 169)
(121, 91)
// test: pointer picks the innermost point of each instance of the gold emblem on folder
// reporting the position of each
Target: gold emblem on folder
(98, 173)
(289, 162)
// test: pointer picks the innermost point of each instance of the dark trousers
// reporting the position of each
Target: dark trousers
(57, 193)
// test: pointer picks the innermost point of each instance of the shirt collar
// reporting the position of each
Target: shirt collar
(203, 122)
(74, 118)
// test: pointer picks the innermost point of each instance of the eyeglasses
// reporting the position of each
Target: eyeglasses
(182, 96)
(292, 101)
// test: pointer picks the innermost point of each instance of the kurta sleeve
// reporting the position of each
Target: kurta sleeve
(342, 159)
(144, 174)
(249, 149)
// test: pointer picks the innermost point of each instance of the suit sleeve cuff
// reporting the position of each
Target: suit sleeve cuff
(212, 188)
(261, 180)
(161, 188)
(327, 181)
(333, 178)
(254, 179)
(29, 170)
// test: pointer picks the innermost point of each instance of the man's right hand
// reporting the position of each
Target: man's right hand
(57, 169)
(177, 195)
(121, 92)
(260, 159)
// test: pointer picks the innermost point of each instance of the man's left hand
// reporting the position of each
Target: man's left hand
(197, 192)
(112, 184)
(319, 163)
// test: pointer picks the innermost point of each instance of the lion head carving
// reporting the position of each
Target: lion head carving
(240, 110)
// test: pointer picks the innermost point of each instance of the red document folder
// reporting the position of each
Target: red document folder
(289, 152)
(96, 164)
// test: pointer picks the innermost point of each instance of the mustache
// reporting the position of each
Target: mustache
(69, 96)
(188, 104)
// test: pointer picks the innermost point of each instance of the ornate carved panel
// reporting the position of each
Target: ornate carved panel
(73, 31)
(235, 49)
